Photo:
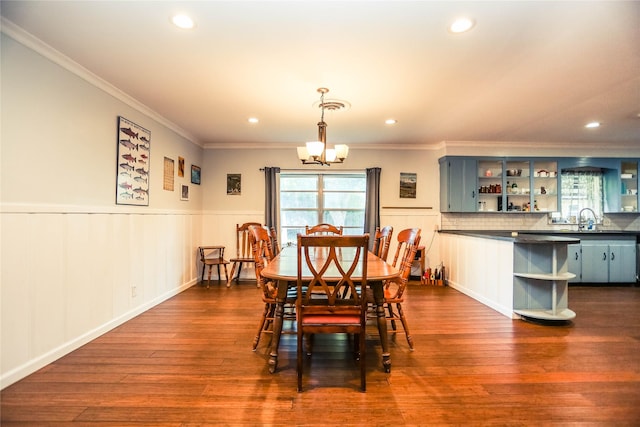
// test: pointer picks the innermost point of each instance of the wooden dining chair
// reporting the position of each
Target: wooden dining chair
(263, 252)
(333, 301)
(212, 256)
(382, 241)
(274, 240)
(323, 229)
(243, 250)
(408, 241)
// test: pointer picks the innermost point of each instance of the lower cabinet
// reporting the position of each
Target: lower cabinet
(603, 261)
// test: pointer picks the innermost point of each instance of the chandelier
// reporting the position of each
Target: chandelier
(316, 152)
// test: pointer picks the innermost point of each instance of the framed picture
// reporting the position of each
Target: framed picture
(184, 192)
(167, 179)
(132, 179)
(234, 184)
(195, 174)
(408, 185)
(180, 166)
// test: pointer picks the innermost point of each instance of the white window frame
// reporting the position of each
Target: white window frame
(320, 209)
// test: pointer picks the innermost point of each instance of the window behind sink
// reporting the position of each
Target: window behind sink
(582, 188)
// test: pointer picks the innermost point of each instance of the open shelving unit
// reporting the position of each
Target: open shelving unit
(541, 281)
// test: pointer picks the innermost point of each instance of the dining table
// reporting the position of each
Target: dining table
(284, 269)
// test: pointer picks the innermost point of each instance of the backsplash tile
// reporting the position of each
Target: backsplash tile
(530, 221)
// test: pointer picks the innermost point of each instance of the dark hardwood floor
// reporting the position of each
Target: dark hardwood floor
(188, 362)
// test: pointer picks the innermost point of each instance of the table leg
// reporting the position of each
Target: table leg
(378, 296)
(277, 327)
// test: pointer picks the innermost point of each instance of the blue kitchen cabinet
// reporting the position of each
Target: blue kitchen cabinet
(458, 180)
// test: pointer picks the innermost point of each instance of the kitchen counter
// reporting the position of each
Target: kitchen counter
(517, 236)
(551, 234)
(519, 275)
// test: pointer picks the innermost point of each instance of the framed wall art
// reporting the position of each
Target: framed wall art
(234, 184)
(408, 185)
(180, 166)
(184, 192)
(195, 174)
(132, 180)
(167, 179)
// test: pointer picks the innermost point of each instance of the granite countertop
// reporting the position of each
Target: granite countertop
(515, 236)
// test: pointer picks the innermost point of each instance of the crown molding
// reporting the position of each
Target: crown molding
(32, 42)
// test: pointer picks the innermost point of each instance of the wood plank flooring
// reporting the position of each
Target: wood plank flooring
(188, 362)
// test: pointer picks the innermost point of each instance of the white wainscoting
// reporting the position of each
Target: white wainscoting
(69, 276)
(481, 268)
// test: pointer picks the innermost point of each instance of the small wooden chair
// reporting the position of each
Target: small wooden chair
(211, 256)
(332, 305)
(323, 229)
(408, 241)
(263, 253)
(382, 241)
(243, 250)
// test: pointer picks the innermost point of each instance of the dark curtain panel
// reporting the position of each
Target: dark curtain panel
(372, 210)
(271, 197)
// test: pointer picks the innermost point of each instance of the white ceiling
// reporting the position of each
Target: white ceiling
(528, 71)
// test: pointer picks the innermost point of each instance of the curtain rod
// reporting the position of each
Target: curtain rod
(407, 207)
(319, 170)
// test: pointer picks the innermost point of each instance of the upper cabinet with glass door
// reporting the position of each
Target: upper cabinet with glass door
(545, 186)
(490, 175)
(518, 185)
(629, 186)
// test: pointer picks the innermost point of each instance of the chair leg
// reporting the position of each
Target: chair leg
(267, 308)
(230, 278)
(209, 277)
(202, 275)
(363, 361)
(299, 362)
(392, 316)
(403, 319)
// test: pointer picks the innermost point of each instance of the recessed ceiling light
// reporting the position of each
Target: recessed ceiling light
(461, 25)
(390, 121)
(253, 120)
(592, 125)
(183, 21)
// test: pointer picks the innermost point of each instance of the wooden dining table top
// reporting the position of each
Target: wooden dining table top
(285, 266)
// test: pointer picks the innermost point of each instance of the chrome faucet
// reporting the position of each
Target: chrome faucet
(581, 224)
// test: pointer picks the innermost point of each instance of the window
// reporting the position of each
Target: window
(313, 198)
(581, 190)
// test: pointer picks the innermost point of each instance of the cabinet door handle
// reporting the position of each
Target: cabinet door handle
(604, 256)
(473, 194)
(613, 256)
(576, 256)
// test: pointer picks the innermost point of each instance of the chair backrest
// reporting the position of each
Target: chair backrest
(382, 241)
(274, 240)
(211, 252)
(408, 241)
(243, 245)
(262, 250)
(333, 262)
(323, 229)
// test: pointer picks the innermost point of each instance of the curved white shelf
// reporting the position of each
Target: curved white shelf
(546, 276)
(564, 314)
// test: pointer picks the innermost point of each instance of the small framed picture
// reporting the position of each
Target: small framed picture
(195, 174)
(234, 184)
(184, 193)
(180, 166)
(408, 185)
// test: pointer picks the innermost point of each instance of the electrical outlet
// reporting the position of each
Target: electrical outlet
(134, 291)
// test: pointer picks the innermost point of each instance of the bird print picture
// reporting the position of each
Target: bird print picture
(134, 143)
